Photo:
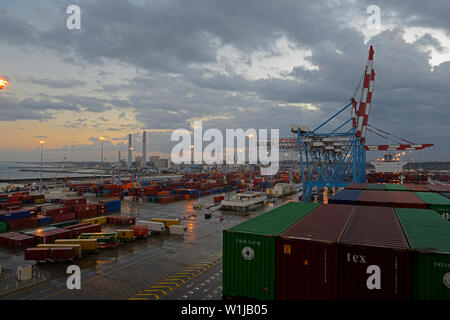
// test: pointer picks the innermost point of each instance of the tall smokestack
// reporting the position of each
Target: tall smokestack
(119, 155)
(144, 148)
(130, 148)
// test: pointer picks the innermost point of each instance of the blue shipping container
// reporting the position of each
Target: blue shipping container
(346, 196)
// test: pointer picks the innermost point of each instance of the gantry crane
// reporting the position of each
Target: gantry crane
(336, 158)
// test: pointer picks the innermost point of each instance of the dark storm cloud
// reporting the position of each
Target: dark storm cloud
(56, 84)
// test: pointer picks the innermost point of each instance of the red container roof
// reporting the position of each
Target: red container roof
(415, 187)
(326, 223)
(375, 227)
(404, 197)
(374, 196)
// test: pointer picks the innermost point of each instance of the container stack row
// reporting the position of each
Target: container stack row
(337, 251)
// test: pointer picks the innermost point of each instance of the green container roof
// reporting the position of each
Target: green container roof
(425, 229)
(433, 198)
(277, 220)
(375, 186)
(395, 187)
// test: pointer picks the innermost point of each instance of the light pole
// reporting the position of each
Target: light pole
(3, 84)
(42, 142)
(101, 176)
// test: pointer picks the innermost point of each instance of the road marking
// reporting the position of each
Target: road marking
(187, 273)
(148, 294)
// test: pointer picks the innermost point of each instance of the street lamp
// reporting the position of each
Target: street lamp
(101, 175)
(3, 84)
(42, 142)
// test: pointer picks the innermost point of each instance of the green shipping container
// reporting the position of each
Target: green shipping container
(429, 236)
(249, 251)
(375, 186)
(436, 202)
(2, 227)
(394, 187)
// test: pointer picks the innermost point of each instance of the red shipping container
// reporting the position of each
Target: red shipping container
(61, 254)
(56, 211)
(85, 207)
(307, 255)
(38, 254)
(21, 223)
(374, 257)
(23, 242)
(140, 231)
(121, 220)
(93, 228)
(375, 198)
(356, 186)
(219, 198)
(416, 187)
(406, 199)
(85, 214)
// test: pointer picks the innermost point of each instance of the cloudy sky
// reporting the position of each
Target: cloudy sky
(157, 65)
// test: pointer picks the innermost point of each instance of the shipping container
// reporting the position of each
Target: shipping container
(125, 234)
(346, 196)
(356, 186)
(436, 202)
(92, 228)
(374, 198)
(64, 224)
(249, 251)
(445, 194)
(429, 236)
(374, 257)
(38, 254)
(61, 254)
(167, 222)
(87, 245)
(438, 188)
(375, 186)
(69, 216)
(121, 220)
(394, 187)
(140, 231)
(406, 199)
(307, 255)
(75, 247)
(2, 227)
(416, 187)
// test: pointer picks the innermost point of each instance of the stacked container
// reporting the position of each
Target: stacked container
(307, 255)
(374, 257)
(436, 202)
(406, 199)
(375, 198)
(346, 196)
(429, 235)
(249, 251)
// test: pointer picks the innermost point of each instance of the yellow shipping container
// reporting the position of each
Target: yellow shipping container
(167, 222)
(87, 245)
(97, 220)
(76, 247)
(125, 234)
(38, 201)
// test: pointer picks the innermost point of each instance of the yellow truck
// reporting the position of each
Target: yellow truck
(87, 245)
(167, 222)
(125, 234)
(76, 247)
(96, 220)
